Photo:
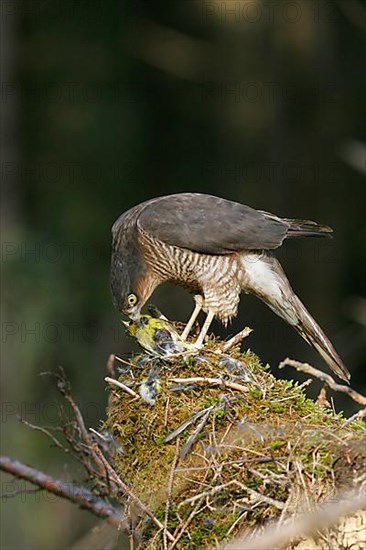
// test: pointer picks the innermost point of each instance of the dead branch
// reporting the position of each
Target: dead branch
(121, 386)
(83, 449)
(277, 535)
(235, 340)
(46, 432)
(127, 491)
(69, 491)
(182, 528)
(218, 488)
(358, 416)
(63, 386)
(87, 451)
(110, 366)
(210, 382)
(170, 492)
(308, 369)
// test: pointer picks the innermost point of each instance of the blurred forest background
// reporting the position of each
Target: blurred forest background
(108, 103)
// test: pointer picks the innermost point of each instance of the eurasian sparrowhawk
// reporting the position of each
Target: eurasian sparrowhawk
(215, 248)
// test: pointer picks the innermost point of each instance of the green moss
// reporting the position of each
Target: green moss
(268, 439)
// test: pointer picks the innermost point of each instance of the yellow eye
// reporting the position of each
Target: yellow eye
(132, 299)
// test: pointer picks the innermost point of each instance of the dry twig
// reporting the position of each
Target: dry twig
(210, 382)
(169, 493)
(218, 488)
(46, 432)
(235, 340)
(110, 366)
(74, 493)
(127, 491)
(358, 416)
(277, 535)
(121, 386)
(308, 369)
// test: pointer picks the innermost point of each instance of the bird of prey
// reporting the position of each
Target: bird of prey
(215, 248)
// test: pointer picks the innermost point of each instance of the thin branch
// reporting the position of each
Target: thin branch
(308, 369)
(193, 437)
(110, 366)
(45, 431)
(211, 382)
(187, 423)
(358, 416)
(207, 493)
(237, 462)
(124, 362)
(235, 340)
(121, 386)
(169, 493)
(182, 529)
(277, 535)
(69, 491)
(64, 388)
(127, 491)
(241, 486)
(166, 412)
(237, 521)
(271, 501)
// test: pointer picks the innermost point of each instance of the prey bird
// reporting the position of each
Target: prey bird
(157, 336)
(215, 248)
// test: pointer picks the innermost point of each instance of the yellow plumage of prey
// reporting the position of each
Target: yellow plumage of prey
(157, 336)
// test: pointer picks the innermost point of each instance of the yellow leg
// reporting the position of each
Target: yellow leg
(204, 330)
(193, 317)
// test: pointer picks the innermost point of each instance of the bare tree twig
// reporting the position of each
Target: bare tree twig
(110, 366)
(210, 382)
(69, 491)
(308, 369)
(181, 529)
(121, 386)
(169, 493)
(63, 386)
(79, 420)
(358, 416)
(127, 491)
(46, 432)
(90, 455)
(218, 488)
(276, 535)
(235, 340)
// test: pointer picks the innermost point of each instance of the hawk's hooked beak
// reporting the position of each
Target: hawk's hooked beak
(134, 313)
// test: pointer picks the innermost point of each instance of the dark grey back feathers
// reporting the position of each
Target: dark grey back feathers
(210, 225)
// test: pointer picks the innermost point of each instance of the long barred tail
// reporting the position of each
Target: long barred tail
(307, 228)
(264, 277)
(313, 334)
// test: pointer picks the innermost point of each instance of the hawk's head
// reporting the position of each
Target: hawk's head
(125, 275)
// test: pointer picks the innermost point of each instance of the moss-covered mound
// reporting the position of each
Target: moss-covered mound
(217, 452)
